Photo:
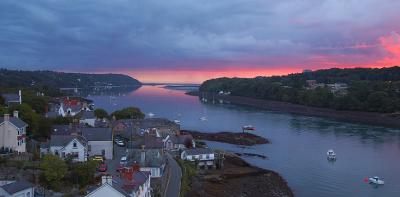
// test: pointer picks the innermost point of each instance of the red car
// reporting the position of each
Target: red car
(102, 167)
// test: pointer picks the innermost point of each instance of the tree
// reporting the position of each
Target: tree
(100, 113)
(54, 169)
(26, 113)
(126, 113)
(44, 130)
(84, 173)
(1, 100)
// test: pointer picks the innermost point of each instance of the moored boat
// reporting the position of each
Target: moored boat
(249, 128)
(331, 154)
(376, 180)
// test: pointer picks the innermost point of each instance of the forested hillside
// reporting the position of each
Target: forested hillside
(16, 78)
(367, 89)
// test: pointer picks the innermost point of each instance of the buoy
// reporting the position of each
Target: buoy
(366, 180)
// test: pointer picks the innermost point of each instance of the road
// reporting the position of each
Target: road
(174, 183)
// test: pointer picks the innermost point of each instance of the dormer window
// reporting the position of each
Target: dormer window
(74, 145)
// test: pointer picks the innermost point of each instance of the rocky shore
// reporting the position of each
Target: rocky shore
(389, 120)
(238, 178)
(239, 138)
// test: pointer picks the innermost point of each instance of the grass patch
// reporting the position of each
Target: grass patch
(189, 170)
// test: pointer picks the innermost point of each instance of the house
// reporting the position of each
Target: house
(338, 88)
(99, 141)
(149, 160)
(178, 142)
(132, 183)
(203, 156)
(66, 146)
(12, 99)
(71, 107)
(13, 133)
(16, 189)
(88, 118)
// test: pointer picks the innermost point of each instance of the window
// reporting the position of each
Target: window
(28, 194)
(89, 147)
(63, 155)
(201, 156)
(207, 156)
(56, 152)
(74, 145)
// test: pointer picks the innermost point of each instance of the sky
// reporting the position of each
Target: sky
(189, 41)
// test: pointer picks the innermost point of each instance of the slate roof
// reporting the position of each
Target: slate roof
(63, 140)
(17, 186)
(181, 139)
(63, 130)
(15, 121)
(10, 97)
(149, 142)
(153, 158)
(88, 115)
(97, 134)
(198, 151)
(52, 114)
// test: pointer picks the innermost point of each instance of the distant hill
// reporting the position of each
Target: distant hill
(360, 89)
(52, 79)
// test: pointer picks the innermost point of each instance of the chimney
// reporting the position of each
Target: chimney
(15, 114)
(20, 96)
(6, 117)
(106, 179)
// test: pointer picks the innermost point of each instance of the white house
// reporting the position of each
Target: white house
(13, 133)
(204, 156)
(69, 110)
(88, 117)
(99, 141)
(16, 189)
(133, 184)
(178, 142)
(66, 146)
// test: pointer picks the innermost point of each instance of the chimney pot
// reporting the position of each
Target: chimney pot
(15, 114)
(6, 117)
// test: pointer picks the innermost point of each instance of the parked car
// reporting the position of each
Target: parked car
(119, 142)
(123, 160)
(98, 158)
(102, 167)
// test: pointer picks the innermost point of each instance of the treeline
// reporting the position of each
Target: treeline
(374, 90)
(50, 79)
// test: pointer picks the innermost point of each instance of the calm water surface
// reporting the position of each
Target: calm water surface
(298, 143)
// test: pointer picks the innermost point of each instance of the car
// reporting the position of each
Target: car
(123, 160)
(119, 142)
(98, 158)
(102, 167)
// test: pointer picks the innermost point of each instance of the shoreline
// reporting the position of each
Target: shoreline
(371, 118)
(239, 178)
(235, 138)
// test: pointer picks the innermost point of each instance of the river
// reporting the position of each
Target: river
(298, 143)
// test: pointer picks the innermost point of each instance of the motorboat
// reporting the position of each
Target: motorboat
(203, 118)
(249, 128)
(150, 114)
(331, 154)
(376, 180)
(177, 121)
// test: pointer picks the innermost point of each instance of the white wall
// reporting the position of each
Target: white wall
(8, 137)
(88, 121)
(69, 149)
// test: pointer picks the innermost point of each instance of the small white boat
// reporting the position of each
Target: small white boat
(376, 180)
(177, 121)
(249, 128)
(203, 118)
(331, 154)
(150, 114)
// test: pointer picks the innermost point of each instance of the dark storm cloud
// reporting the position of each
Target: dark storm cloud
(150, 34)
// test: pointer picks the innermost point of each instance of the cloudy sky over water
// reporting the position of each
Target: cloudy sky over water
(193, 40)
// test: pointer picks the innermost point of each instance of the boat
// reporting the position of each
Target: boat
(331, 154)
(177, 121)
(376, 180)
(249, 128)
(203, 118)
(150, 114)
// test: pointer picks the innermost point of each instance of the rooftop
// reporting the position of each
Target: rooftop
(17, 186)
(15, 121)
(199, 151)
(97, 134)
